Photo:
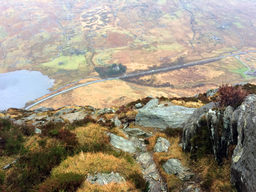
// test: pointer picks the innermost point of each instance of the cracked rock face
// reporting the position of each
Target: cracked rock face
(162, 145)
(159, 116)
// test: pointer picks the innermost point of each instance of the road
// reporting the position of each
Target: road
(143, 73)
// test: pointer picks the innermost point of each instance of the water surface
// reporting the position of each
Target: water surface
(19, 87)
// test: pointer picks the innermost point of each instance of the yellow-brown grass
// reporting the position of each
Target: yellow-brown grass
(92, 133)
(188, 104)
(214, 177)
(90, 163)
(111, 187)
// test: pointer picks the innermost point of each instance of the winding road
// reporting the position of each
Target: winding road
(143, 73)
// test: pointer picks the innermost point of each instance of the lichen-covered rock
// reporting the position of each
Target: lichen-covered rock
(174, 167)
(162, 145)
(161, 116)
(122, 143)
(105, 178)
(243, 168)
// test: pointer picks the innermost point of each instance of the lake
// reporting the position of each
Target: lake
(19, 87)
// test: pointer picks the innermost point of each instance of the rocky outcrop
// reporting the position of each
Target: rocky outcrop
(214, 131)
(174, 167)
(162, 145)
(105, 178)
(160, 116)
(243, 168)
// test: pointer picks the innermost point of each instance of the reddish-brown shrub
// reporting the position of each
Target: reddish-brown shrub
(67, 137)
(229, 95)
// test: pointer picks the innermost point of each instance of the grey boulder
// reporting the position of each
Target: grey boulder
(160, 116)
(76, 116)
(122, 143)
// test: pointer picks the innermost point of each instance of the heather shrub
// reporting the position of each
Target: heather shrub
(51, 128)
(2, 176)
(62, 182)
(68, 138)
(229, 95)
(11, 139)
(170, 132)
(32, 168)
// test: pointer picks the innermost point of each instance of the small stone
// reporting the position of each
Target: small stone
(105, 178)
(106, 111)
(38, 131)
(136, 132)
(138, 105)
(117, 122)
(145, 159)
(162, 145)
(174, 167)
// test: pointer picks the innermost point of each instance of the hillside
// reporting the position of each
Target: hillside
(68, 40)
(164, 144)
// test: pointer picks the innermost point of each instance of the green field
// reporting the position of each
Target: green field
(66, 62)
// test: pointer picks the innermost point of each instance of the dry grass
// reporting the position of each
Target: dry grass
(85, 163)
(214, 177)
(111, 187)
(92, 133)
(33, 143)
(90, 163)
(190, 104)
